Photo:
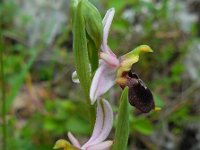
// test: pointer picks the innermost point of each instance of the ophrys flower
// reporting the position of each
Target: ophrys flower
(113, 70)
(102, 128)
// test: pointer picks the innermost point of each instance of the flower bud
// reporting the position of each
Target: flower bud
(93, 22)
(73, 6)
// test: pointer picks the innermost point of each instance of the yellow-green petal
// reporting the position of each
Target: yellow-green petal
(64, 144)
(131, 58)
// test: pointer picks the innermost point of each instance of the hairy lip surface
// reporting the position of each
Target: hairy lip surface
(139, 94)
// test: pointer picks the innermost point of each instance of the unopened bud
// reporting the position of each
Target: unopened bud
(93, 22)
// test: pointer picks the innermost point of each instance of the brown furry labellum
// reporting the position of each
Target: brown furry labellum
(139, 94)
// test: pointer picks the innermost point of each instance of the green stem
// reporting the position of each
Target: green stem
(3, 97)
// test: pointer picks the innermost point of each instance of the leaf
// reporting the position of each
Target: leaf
(122, 128)
(19, 80)
(87, 33)
(143, 126)
(80, 50)
(180, 115)
(158, 101)
(78, 125)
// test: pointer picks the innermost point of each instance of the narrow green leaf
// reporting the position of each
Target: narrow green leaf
(80, 50)
(19, 80)
(158, 101)
(122, 128)
(143, 125)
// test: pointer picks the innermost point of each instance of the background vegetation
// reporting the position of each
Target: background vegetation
(42, 103)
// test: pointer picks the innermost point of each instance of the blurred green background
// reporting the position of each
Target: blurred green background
(42, 102)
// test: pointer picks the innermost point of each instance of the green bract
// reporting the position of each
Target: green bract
(94, 30)
(93, 22)
(80, 50)
(87, 37)
(122, 128)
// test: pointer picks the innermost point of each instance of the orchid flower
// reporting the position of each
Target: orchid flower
(102, 128)
(113, 70)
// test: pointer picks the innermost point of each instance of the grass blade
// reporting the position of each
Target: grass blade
(19, 80)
